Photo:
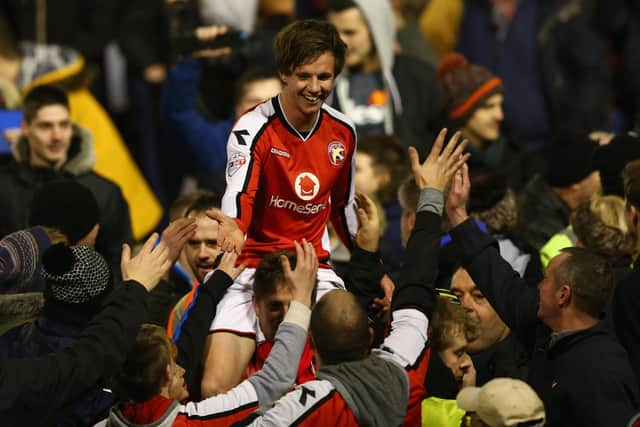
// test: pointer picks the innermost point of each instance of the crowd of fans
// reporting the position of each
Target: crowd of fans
(319, 212)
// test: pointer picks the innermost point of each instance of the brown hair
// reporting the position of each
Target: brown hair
(600, 224)
(408, 194)
(591, 279)
(270, 272)
(304, 41)
(204, 202)
(449, 320)
(183, 202)
(43, 96)
(144, 372)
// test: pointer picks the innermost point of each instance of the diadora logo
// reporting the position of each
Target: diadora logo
(236, 161)
(307, 185)
(337, 153)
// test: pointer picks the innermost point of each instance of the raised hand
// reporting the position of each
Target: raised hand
(384, 303)
(456, 204)
(368, 235)
(148, 266)
(208, 34)
(230, 237)
(228, 265)
(302, 280)
(440, 165)
(176, 235)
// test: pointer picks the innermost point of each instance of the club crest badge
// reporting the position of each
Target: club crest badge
(337, 153)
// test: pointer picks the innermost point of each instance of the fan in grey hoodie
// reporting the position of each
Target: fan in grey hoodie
(380, 91)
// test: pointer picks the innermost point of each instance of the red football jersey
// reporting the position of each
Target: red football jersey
(283, 186)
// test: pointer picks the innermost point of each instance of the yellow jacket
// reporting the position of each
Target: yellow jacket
(440, 23)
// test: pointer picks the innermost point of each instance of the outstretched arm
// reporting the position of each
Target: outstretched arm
(65, 375)
(198, 318)
(515, 301)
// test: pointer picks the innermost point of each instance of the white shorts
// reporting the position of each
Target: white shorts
(235, 311)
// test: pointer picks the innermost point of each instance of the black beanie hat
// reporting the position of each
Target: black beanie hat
(611, 159)
(569, 158)
(76, 279)
(67, 206)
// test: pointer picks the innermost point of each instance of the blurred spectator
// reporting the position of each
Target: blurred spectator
(143, 38)
(77, 282)
(626, 299)
(610, 159)
(51, 148)
(29, 65)
(205, 139)
(545, 203)
(502, 402)
(380, 166)
(85, 25)
(551, 61)
(411, 40)
(494, 203)
(598, 224)
(474, 99)
(382, 92)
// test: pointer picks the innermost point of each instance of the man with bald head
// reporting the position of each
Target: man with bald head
(383, 386)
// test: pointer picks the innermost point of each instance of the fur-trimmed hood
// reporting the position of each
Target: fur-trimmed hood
(82, 156)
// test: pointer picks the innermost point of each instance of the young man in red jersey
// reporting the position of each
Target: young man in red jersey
(289, 172)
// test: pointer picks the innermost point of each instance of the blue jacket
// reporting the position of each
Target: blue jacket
(207, 141)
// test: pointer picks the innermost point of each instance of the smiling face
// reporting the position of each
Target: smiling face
(49, 136)
(305, 89)
(202, 249)
(484, 123)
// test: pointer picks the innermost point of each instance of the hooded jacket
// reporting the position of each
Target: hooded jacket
(19, 181)
(372, 388)
(49, 64)
(415, 102)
